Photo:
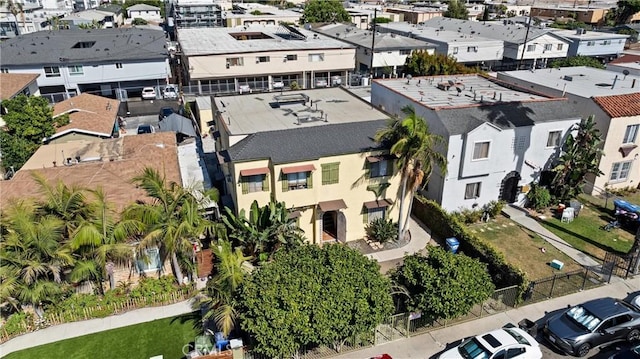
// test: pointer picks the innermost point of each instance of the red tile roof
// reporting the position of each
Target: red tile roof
(625, 59)
(620, 105)
(12, 84)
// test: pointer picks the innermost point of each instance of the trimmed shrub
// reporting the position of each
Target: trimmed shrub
(538, 197)
(382, 230)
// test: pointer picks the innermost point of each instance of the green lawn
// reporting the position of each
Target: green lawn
(161, 337)
(522, 248)
(585, 233)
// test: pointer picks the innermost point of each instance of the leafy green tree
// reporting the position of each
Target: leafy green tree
(172, 220)
(577, 61)
(324, 11)
(625, 10)
(94, 24)
(382, 20)
(580, 158)
(29, 120)
(422, 63)
(220, 295)
(485, 14)
(265, 229)
(312, 296)
(538, 197)
(68, 203)
(443, 285)
(417, 151)
(456, 10)
(33, 255)
(139, 21)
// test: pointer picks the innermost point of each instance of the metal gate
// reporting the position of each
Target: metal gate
(620, 265)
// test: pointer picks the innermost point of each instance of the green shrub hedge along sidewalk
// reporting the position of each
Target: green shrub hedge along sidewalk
(160, 337)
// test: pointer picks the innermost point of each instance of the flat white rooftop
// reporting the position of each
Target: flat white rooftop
(252, 113)
(433, 34)
(363, 38)
(438, 92)
(265, 11)
(580, 81)
(589, 35)
(215, 41)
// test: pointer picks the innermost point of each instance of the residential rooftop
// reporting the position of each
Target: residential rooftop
(88, 15)
(142, 7)
(109, 164)
(253, 38)
(83, 46)
(87, 113)
(580, 81)
(12, 84)
(266, 11)
(492, 29)
(588, 35)
(431, 33)
(456, 91)
(260, 112)
(620, 105)
(363, 38)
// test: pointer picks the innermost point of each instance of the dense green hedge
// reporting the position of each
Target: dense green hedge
(443, 225)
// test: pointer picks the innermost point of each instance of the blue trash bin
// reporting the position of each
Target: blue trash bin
(453, 244)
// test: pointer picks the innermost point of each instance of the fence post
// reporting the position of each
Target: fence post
(553, 285)
(584, 278)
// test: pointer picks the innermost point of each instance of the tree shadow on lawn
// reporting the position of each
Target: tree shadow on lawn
(194, 317)
(588, 240)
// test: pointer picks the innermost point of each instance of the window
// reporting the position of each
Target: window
(472, 190)
(560, 47)
(83, 45)
(630, 134)
(620, 171)
(292, 57)
(548, 47)
(472, 49)
(316, 57)
(235, 61)
(51, 71)
(554, 138)
(381, 168)
(405, 52)
(330, 173)
(455, 50)
(75, 70)
(531, 48)
(606, 42)
(255, 183)
(296, 180)
(481, 150)
(591, 43)
(260, 59)
(118, 65)
(375, 213)
(149, 260)
(4, 71)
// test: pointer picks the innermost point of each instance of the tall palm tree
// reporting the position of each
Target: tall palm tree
(99, 240)
(68, 203)
(172, 220)
(221, 289)
(33, 250)
(417, 151)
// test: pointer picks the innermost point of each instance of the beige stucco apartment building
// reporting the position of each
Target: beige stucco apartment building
(312, 149)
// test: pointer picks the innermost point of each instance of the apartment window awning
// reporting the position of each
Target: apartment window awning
(378, 203)
(296, 169)
(334, 205)
(294, 214)
(626, 149)
(254, 171)
(378, 158)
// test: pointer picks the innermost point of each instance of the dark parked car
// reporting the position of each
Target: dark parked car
(164, 112)
(591, 324)
(632, 352)
(146, 128)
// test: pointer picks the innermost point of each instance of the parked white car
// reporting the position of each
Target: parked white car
(506, 342)
(170, 92)
(148, 93)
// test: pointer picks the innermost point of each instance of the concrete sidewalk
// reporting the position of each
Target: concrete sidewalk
(77, 329)
(432, 343)
(521, 217)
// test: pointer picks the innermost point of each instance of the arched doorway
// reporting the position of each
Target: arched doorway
(509, 187)
(334, 226)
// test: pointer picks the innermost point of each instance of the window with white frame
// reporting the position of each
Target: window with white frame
(554, 138)
(292, 57)
(531, 48)
(381, 168)
(481, 150)
(118, 65)
(455, 50)
(620, 171)
(591, 43)
(472, 190)
(548, 47)
(472, 48)
(560, 46)
(4, 71)
(316, 57)
(51, 71)
(405, 52)
(76, 70)
(630, 134)
(606, 42)
(297, 180)
(149, 260)
(235, 61)
(261, 59)
(254, 183)
(376, 213)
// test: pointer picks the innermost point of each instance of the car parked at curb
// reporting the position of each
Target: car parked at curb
(164, 112)
(591, 324)
(148, 93)
(507, 342)
(170, 92)
(146, 128)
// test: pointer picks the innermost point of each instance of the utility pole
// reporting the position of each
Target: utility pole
(526, 37)
(373, 40)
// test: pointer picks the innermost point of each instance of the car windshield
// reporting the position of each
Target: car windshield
(519, 338)
(583, 317)
(472, 349)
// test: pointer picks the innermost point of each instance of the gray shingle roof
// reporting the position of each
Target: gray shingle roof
(307, 143)
(383, 41)
(49, 47)
(508, 115)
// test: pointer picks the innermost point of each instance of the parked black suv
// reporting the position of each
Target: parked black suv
(591, 324)
(164, 112)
